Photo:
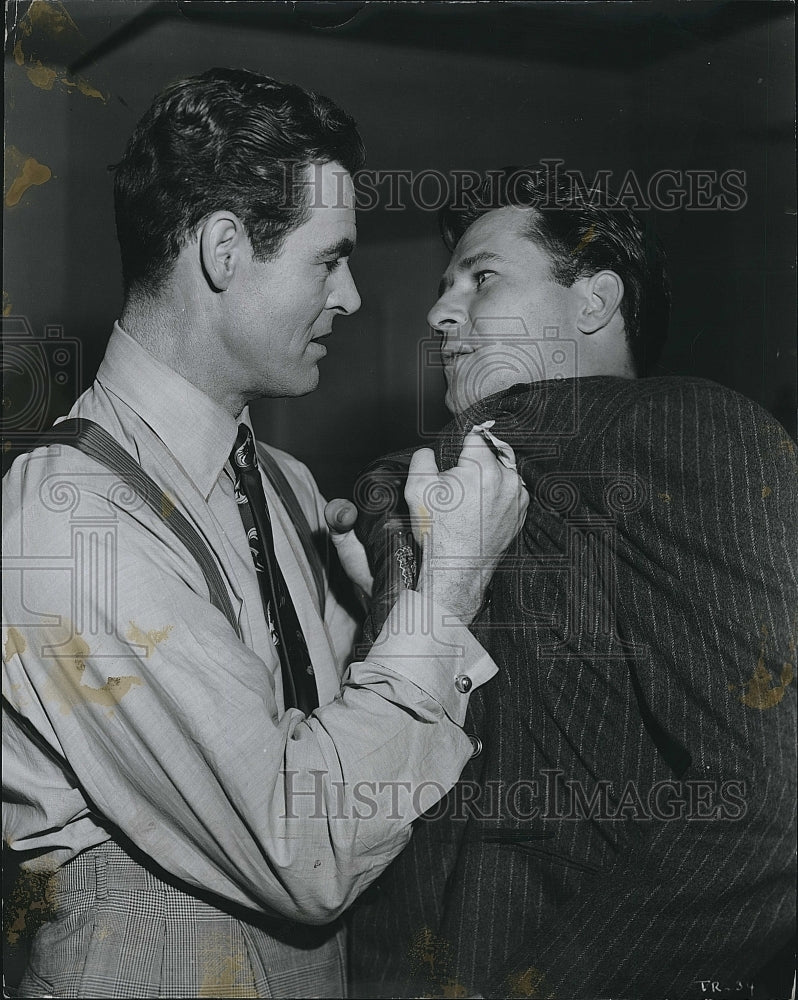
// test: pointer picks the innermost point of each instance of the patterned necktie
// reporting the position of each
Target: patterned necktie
(299, 685)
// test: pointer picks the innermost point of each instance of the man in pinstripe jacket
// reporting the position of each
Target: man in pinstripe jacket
(626, 826)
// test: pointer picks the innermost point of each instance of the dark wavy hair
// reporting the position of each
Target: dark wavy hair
(227, 139)
(582, 231)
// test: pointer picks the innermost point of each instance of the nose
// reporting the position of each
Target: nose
(448, 312)
(344, 295)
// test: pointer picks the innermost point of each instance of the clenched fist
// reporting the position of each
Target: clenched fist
(464, 519)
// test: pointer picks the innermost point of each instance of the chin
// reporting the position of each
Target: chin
(456, 405)
(309, 385)
(297, 386)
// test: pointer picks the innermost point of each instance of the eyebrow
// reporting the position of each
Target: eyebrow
(466, 264)
(343, 248)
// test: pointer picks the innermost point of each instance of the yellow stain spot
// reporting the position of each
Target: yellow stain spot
(528, 984)
(26, 172)
(84, 87)
(49, 19)
(224, 970)
(589, 236)
(66, 679)
(451, 988)
(665, 497)
(6, 304)
(431, 955)
(424, 520)
(167, 505)
(766, 491)
(148, 639)
(14, 644)
(41, 76)
(219, 981)
(760, 691)
(425, 948)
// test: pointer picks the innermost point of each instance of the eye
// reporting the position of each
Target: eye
(333, 265)
(480, 277)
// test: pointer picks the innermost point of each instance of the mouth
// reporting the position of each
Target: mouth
(450, 355)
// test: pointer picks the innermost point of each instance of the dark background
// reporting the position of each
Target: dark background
(613, 86)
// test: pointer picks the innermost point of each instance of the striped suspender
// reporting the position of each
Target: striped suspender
(94, 441)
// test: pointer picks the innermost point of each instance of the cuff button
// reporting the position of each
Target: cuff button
(463, 683)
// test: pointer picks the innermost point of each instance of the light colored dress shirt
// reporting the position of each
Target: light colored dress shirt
(173, 726)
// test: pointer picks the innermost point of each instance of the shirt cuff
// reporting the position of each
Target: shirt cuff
(430, 647)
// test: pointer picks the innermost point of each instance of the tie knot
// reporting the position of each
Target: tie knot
(243, 454)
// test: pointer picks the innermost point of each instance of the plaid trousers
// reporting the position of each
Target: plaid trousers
(119, 931)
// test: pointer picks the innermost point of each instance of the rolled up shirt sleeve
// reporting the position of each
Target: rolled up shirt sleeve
(168, 727)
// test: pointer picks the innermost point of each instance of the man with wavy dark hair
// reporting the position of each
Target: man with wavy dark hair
(582, 233)
(232, 138)
(195, 774)
(627, 829)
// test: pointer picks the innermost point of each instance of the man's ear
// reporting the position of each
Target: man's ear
(602, 294)
(222, 241)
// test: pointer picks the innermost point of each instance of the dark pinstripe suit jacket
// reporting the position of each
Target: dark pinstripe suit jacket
(628, 828)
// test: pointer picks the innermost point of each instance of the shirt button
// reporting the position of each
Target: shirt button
(476, 745)
(463, 683)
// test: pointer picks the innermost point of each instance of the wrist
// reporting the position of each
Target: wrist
(463, 592)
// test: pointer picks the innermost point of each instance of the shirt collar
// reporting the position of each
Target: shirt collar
(195, 429)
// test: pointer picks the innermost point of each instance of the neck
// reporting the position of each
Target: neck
(173, 334)
(605, 352)
(158, 328)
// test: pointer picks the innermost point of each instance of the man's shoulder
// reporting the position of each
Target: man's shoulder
(698, 405)
(682, 427)
(598, 419)
(31, 475)
(54, 480)
(46, 457)
(620, 394)
(49, 488)
(675, 387)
